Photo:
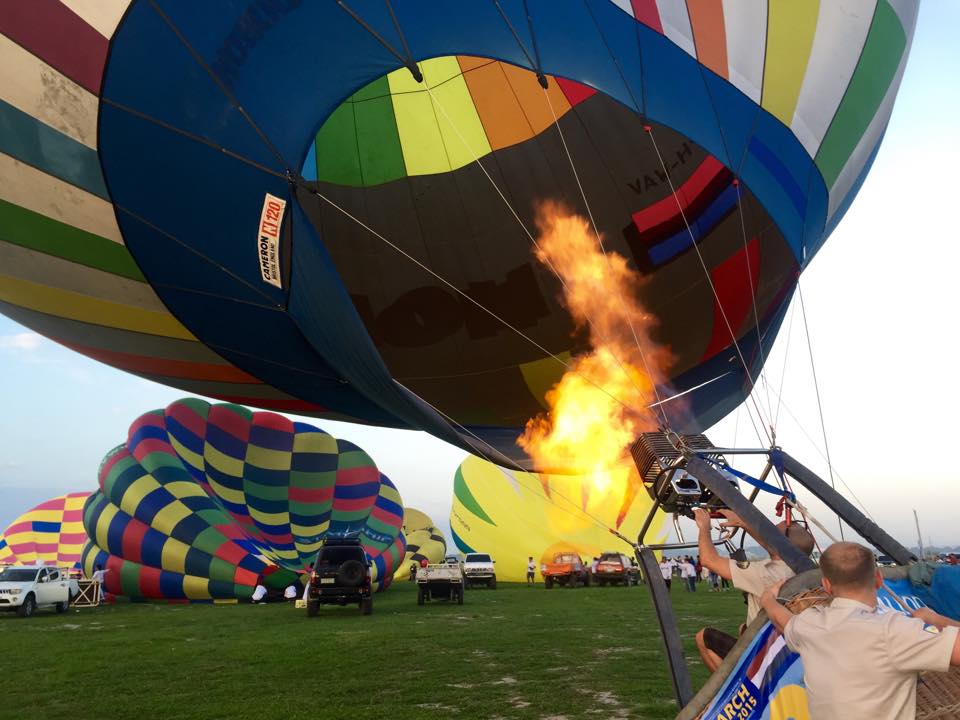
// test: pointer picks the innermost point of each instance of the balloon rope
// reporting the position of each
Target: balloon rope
(716, 296)
(535, 243)
(783, 371)
(753, 300)
(198, 58)
(816, 387)
(467, 297)
(603, 249)
(820, 452)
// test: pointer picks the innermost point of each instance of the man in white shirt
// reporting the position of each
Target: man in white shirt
(531, 570)
(688, 572)
(666, 571)
(99, 576)
(751, 577)
(860, 663)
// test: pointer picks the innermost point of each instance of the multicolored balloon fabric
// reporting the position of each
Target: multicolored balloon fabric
(206, 501)
(51, 533)
(331, 211)
(514, 515)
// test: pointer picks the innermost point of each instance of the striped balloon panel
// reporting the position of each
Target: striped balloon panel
(66, 272)
(386, 562)
(119, 534)
(134, 580)
(355, 491)
(313, 477)
(386, 518)
(51, 533)
(178, 509)
(382, 536)
(827, 70)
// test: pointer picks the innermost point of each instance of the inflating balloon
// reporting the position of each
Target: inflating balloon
(205, 501)
(514, 515)
(331, 210)
(51, 533)
(424, 542)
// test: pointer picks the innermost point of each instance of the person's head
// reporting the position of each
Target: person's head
(530, 558)
(849, 569)
(798, 535)
(99, 567)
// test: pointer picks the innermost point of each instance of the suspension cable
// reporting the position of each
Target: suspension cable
(538, 247)
(753, 299)
(713, 289)
(603, 249)
(816, 387)
(820, 452)
(786, 356)
(470, 299)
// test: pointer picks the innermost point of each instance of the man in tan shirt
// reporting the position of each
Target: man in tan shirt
(861, 663)
(751, 577)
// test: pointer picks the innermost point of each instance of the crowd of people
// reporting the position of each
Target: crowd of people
(693, 573)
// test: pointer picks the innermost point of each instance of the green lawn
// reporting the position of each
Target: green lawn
(514, 652)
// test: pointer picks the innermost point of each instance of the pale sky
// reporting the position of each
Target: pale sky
(881, 299)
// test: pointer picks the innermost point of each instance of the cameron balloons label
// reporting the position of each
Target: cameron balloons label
(268, 239)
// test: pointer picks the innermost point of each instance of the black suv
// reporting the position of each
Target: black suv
(340, 575)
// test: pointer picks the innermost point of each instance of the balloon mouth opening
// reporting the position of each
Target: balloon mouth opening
(448, 176)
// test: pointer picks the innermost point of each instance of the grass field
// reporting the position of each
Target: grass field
(514, 652)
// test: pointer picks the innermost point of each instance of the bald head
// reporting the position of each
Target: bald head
(849, 566)
(799, 536)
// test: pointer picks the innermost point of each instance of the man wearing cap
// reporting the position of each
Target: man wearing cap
(750, 577)
(858, 661)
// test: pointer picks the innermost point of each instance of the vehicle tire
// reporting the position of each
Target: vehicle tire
(548, 583)
(419, 596)
(351, 573)
(492, 583)
(61, 607)
(313, 607)
(28, 607)
(366, 606)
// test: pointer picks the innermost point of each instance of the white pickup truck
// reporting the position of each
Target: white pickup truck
(24, 588)
(442, 581)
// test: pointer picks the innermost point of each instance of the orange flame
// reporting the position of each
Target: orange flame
(600, 404)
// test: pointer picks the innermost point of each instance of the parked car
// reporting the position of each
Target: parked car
(566, 569)
(341, 576)
(616, 569)
(443, 581)
(478, 569)
(25, 588)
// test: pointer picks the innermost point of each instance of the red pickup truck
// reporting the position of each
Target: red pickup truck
(616, 569)
(566, 569)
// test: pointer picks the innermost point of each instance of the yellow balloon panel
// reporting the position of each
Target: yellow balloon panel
(515, 515)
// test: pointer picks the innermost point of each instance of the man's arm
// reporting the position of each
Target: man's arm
(709, 557)
(940, 622)
(934, 618)
(778, 614)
